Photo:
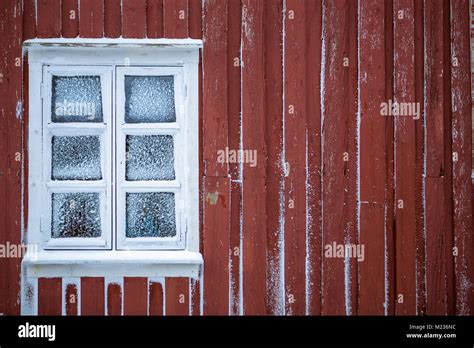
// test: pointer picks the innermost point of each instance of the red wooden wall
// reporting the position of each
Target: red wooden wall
(301, 82)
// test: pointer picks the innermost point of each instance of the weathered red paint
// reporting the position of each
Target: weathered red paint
(247, 83)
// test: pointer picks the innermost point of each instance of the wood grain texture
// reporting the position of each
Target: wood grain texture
(49, 18)
(71, 299)
(154, 18)
(373, 168)
(49, 296)
(295, 157)
(156, 303)
(92, 296)
(216, 247)
(135, 296)
(175, 18)
(405, 149)
(91, 22)
(112, 18)
(134, 18)
(253, 139)
(114, 299)
(462, 142)
(177, 296)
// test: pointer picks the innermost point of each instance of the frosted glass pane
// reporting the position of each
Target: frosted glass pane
(150, 215)
(75, 215)
(150, 157)
(76, 99)
(76, 158)
(149, 99)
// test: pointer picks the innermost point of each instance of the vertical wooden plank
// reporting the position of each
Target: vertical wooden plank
(29, 19)
(216, 247)
(114, 299)
(405, 150)
(135, 294)
(154, 18)
(462, 156)
(372, 148)
(91, 22)
(253, 139)
(436, 202)
(49, 18)
(15, 153)
(216, 183)
(156, 298)
(92, 296)
(195, 17)
(215, 87)
(420, 132)
(339, 157)
(195, 294)
(112, 18)
(134, 18)
(233, 110)
(175, 18)
(49, 296)
(4, 52)
(274, 138)
(70, 18)
(313, 148)
(177, 296)
(295, 157)
(71, 299)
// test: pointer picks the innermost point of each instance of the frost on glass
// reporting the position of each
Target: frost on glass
(76, 158)
(149, 99)
(76, 99)
(75, 215)
(150, 214)
(149, 157)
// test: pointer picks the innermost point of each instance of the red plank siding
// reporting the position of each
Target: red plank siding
(71, 299)
(372, 158)
(216, 248)
(295, 157)
(462, 140)
(437, 223)
(4, 36)
(114, 299)
(156, 299)
(70, 18)
(234, 21)
(177, 296)
(134, 18)
(14, 151)
(29, 19)
(215, 87)
(49, 296)
(175, 18)
(253, 138)
(274, 138)
(405, 149)
(112, 18)
(91, 23)
(92, 296)
(338, 153)
(195, 17)
(49, 18)
(135, 292)
(154, 18)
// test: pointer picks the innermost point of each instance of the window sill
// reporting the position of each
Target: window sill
(52, 263)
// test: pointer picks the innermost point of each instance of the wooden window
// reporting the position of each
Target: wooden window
(113, 155)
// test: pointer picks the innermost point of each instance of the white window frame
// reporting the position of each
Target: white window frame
(104, 131)
(117, 255)
(176, 129)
